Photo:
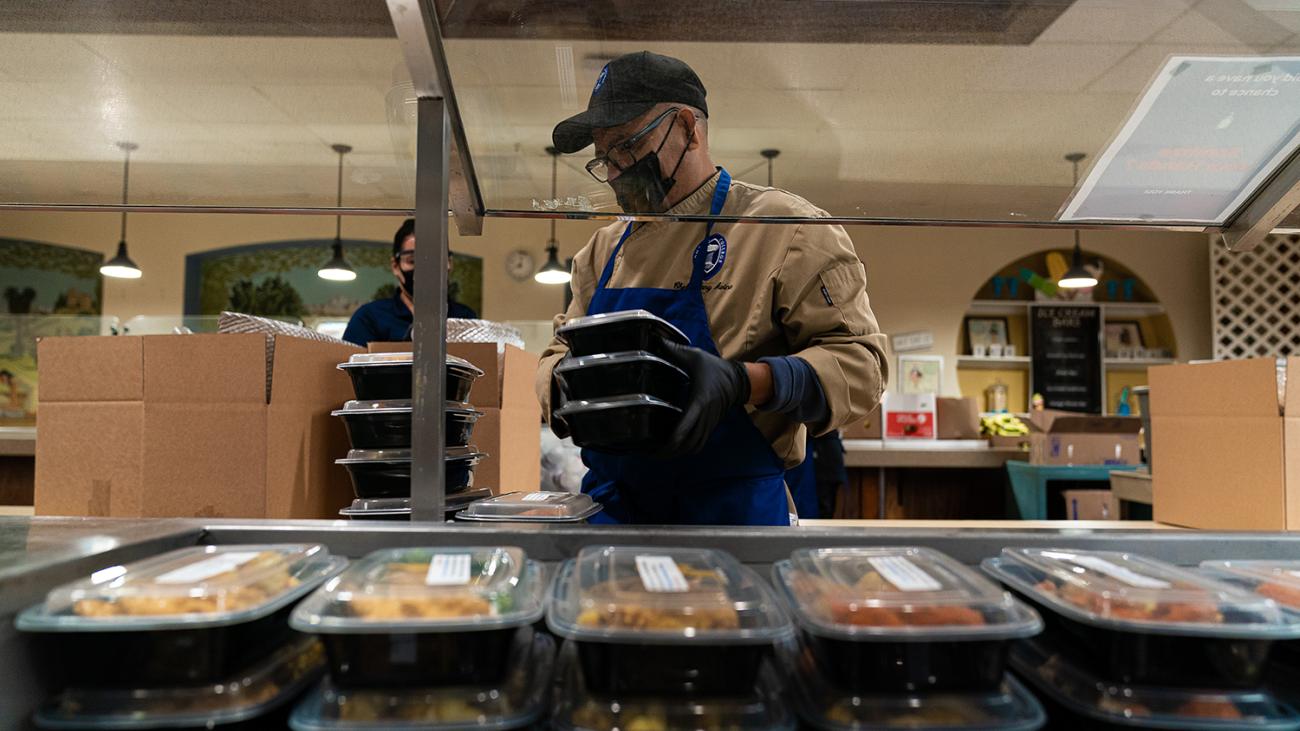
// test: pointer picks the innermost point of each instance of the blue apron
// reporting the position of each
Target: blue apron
(802, 481)
(735, 480)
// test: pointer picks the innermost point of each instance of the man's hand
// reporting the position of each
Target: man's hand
(717, 386)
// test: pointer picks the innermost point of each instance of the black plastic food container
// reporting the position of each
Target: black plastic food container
(596, 377)
(621, 425)
(1135, 620)
(420, 617)
(399, 508)
(617, 332)
(387, 376)
(380, 473)
(644, 669)
(901, 619)
(387, 424)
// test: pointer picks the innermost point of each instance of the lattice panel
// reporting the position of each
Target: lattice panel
(1256, 299)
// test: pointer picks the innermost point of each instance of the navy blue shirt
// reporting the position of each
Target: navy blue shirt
(389, 320)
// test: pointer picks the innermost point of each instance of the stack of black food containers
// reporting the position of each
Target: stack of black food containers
(670, 638)
(198, 638)
(1279, 581)
(899, 637)
(379, 429)
(439, 639)
(618, 393)
(1131, 642)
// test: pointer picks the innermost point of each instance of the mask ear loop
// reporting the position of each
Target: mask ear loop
(671, 180)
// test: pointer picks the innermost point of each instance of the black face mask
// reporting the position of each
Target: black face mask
(642, 188)
(408, 282)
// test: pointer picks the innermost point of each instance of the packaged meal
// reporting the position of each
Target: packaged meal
(649, 619)
(517, 702)
(902, 619)
(379, 473)
(618, 332)
(387, 424)
(1077, 698)
(380, 376)
(1139, 620)
(633, 424)
(532, 507)
(192, 615)
(258, 698)
(399, 508)
(605, 375)
(423, 616)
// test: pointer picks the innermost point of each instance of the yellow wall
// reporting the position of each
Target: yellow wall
(918, 278)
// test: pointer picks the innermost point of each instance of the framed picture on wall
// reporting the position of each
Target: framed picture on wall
(1123, 334)
(920, 374)
(986, 331)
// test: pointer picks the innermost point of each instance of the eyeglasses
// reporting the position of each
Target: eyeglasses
(600, 167)
(406, 257)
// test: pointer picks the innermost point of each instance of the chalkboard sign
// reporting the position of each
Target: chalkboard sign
(1067, 356)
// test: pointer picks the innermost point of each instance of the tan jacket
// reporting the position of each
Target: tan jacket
(795, 289)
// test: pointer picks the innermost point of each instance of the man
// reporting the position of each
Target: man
(781, 331)
(389, 320)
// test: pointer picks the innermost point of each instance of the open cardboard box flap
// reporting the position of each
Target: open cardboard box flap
(1066, 422)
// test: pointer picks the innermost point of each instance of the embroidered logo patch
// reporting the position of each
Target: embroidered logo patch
(600, 80)
(714, 251)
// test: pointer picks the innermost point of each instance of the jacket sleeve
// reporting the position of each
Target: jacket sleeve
(820, 299)
(583, 284)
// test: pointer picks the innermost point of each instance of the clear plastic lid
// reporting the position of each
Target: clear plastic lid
(625, 316)
(600, 359)
(576, 709)
(249, 695)
(898, 594)
(379, 506)
(519, 700)
(1132, 593)
(615, 402)
(398, 406)
(663, 595)
(1276, 580)
(406, 358)
(453, 454)
(406, 590)
(202, 586)
(1186, 709)
(542, 507)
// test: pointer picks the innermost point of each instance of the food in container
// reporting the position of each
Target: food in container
(618, 332)
(901, 619)
(576, 708)
(620, 425)
(605, 375)
(399, 508)
(384, 376)
(665, 620)
(387, 424)
(1077, 698)
(532, 507)
(1137, 620)
(1278, 580)
(257, 698)
(517, 702)
(379, 473)
(190, 616)
(414, 617)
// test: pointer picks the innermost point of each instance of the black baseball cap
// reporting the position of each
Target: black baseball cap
(628, 87)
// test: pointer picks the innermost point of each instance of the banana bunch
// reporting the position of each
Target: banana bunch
(1003, 425)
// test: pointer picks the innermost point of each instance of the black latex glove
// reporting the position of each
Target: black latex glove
(558, 427)
(717, 386)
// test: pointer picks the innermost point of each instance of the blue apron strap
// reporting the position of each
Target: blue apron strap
(609, 264)
(719, 199)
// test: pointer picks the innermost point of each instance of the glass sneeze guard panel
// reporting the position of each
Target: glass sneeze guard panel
(944, 111)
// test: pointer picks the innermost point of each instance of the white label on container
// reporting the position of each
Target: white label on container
(207, 568)
(1119, 573)
(536, 497)
(448, 569)
(660, 574)
(904, 574)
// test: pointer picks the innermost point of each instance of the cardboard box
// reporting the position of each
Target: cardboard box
(909, 416)
(869, 428)
(508, 372)
(1090, 505)
(957, 418)
(1228, 446)
(1009, 442)
(1067, 438)
(184, 425)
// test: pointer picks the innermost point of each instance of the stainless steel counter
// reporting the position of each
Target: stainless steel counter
(37, 554)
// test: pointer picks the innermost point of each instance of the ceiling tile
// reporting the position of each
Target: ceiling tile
(1112, 21)
(1135, 71)
(220, 103)
(329, 104)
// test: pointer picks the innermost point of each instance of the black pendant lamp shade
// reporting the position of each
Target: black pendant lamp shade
(338, 269)
(121, 266)
(1077, 276)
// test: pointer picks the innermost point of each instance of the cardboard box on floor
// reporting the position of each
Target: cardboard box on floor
(1067, 438)
(184, 425)
(510, 429)
(1090, 505)
(1227, 446)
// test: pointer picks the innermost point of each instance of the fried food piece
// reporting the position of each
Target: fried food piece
(608, 607)
(1280, 593)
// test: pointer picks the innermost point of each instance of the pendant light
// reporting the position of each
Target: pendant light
(552, 272)
(338, 269)
(770, 154)
(1077, 276)
(121, 266)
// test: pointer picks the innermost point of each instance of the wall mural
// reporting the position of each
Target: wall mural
(48, 290)
(279, 279)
